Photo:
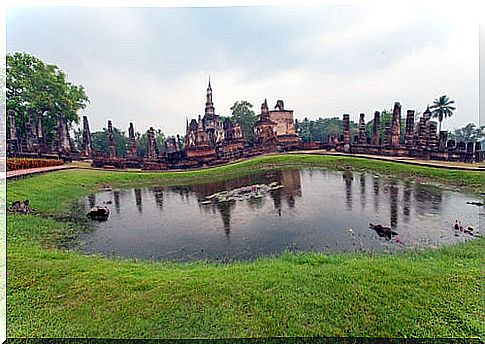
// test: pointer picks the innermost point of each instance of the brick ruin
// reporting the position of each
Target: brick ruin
(421, 139)
(210, 140)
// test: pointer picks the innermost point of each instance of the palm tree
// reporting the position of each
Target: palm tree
(442, 108)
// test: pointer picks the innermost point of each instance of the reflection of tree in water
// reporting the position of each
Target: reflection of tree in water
(92, 200)
(406, 201)
(116, 196)
(158, 194)
(348, 178)
(362, 191)
(376, 187)
(393, 199)
(428, 199)
(138, 200)
(225, 209)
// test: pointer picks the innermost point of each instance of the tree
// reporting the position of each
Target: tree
(99, 141)
(242, 114)
(386, 119)
(442, 108)
(469, 133)
(35, 85)
(142, 140)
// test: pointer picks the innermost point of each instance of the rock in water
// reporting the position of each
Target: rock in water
(98, 213)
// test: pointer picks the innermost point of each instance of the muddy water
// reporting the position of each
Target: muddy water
(312, 210)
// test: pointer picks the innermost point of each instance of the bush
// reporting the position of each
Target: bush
(24, 163)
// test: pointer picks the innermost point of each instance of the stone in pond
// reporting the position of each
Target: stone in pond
(98, 213)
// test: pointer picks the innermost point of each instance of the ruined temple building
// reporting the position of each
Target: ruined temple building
(210, 138)
(131, 153)
(275, 129)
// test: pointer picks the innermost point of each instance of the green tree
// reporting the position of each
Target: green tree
(99, 141)
(142, 140)
(242, 113)
(442, 108)
(35, 85)
(469, 133)
(386, 119)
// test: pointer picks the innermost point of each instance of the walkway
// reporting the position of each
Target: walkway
(28, 171)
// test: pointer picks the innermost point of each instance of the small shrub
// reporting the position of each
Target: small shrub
(14, 164)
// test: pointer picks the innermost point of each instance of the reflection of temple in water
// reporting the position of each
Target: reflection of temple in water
(158, 194)
(429, 198)
(393, 199)
(138, 200)
(291, 181)
(116, 196)
(406, 201)
(375, 182)
(362, 191)
(348, 178)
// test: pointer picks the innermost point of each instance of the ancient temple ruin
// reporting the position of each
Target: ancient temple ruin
(210, 140)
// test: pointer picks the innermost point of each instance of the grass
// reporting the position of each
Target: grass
(59, 293)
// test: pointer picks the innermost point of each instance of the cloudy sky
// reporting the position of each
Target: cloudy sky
(151, 65)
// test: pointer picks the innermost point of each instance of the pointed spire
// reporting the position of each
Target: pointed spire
(209, 105)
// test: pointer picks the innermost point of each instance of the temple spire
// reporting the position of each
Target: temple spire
(209, 105)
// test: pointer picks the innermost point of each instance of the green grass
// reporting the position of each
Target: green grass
(59, 293)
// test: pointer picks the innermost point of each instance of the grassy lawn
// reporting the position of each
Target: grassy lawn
(59, 293)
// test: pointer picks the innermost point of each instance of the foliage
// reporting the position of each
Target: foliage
(442, 108)
(242, 114)
(386, 119)
(468, 133)
(35, 85)
(142, 140)
(322, 129)
(100, 143)
(25, 163)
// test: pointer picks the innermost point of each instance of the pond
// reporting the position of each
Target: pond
(268, 213)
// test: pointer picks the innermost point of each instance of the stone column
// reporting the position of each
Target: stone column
(408, 137)
(111, 141)
(30, 136)
(87, 148)
(346, 128)
(387, 135)
(40, 128)
(151, 144)
(396, 124)
(376, 132)
(442, 140)
(13, 145)
(63, 141)
(132, 144)
(362, 136)
(422, 140)
(432, 138)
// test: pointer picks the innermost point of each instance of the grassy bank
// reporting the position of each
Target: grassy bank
(56, 293)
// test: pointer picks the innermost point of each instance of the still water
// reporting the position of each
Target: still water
(299, 210)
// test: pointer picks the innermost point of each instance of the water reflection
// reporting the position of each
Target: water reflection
(375, 182)
(313, 211)
(362, 191)
(393, 197)
(116, 196)
(406, 199)
(348, 178)
(138, 200)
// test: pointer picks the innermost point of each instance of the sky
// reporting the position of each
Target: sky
(150, 66)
